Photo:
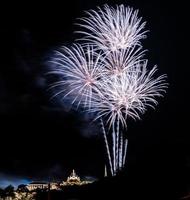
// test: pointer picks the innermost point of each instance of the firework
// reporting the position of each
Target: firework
(121, 61)
(108, 76)
(128, 94)
(79, 69)
(113, 28)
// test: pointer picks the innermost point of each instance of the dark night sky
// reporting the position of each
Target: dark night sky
(39, 139)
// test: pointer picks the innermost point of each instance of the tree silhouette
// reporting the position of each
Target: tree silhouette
(9, 191)
(2, 193)
(22, 188)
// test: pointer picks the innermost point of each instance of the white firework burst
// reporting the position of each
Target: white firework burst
(79, 70)
(128, 94)
(113, 28)
(121, 61)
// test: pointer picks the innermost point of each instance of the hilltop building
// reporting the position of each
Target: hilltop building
(74, 179)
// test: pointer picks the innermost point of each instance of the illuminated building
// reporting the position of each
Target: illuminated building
(54, 186)
(42, 185)
(73, 179)
(37, 185)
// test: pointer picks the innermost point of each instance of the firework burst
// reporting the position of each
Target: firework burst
(128, 94)
(79, 69)
(113, 28)
(122, 61)
(123, 96)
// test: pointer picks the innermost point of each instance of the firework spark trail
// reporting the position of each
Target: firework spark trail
(121, 151)
(107, 146)
(113, 148)
(113, 28)
(117, 143)
(125, 151)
